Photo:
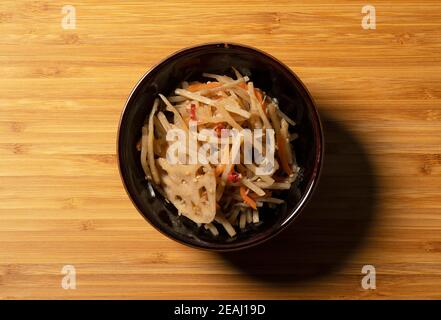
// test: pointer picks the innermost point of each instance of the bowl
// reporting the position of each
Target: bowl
(267, 73)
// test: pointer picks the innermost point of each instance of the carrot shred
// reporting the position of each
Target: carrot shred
(241, 169)
(218, 128)
(138, 145)
(246, 199)
(282, 155)
(201, 86)
(243, 85)
(219, 169)
(259, 97)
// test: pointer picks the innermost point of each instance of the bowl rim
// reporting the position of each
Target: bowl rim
(318, 161)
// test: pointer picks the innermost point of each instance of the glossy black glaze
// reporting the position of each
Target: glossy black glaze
(267, 73)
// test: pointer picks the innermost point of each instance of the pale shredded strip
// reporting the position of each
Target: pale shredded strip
(150, 154)
(255, 216)
(226, 224)
(212, 228)
(144, 147)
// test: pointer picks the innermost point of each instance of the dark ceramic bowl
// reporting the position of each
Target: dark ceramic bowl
(267, 73)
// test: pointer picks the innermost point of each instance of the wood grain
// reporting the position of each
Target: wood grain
(62, 202)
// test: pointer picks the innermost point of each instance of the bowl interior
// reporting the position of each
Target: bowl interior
(266, 73)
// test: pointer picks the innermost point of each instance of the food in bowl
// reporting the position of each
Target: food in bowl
(219, 151)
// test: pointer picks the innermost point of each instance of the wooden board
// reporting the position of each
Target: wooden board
(62, 201)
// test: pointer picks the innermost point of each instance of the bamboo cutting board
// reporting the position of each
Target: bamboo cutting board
(62, 202)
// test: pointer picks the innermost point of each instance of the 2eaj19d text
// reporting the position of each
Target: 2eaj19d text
(221, 309)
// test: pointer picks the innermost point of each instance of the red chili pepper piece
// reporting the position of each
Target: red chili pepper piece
(218, 128)
(193, 111)
(233, 177)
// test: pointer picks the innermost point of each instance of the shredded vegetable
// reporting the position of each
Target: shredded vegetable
(221, 194)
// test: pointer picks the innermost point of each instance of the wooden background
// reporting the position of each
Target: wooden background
(62, 201)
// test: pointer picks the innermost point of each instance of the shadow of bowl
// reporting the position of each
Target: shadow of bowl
(332, 226)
